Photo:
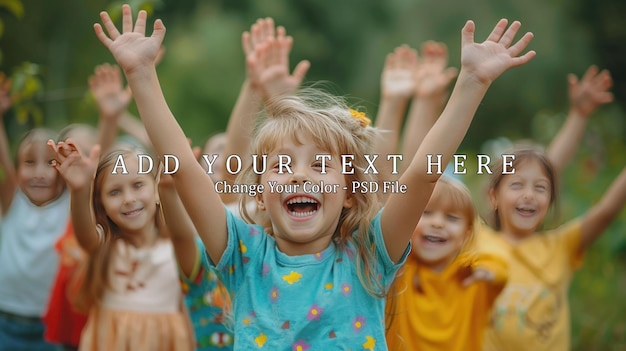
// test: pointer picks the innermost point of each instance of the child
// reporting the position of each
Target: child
(35, 213)
(64, 323)
(442, 299)
(532, 312)
(131, 284)
(326, 258)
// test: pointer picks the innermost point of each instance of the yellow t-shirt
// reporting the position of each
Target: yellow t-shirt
(532, 312)
(441, 314)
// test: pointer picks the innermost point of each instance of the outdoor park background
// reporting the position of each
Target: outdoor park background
(49, 48)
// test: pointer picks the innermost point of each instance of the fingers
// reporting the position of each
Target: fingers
(509, 35)
(109, 25)
(94, 154)
(591, 72)
(104, 39)
(127, 19)
(498, 30)
(158, 31)
(518, 47)
(301, 70)
(467, 33)
(246, 45)
(140, 25)
(518, 61)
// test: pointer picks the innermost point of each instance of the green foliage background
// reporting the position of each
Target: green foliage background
(52, 49)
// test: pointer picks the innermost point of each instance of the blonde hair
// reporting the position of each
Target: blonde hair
(95, 279)
(333, 127)
(452, 195)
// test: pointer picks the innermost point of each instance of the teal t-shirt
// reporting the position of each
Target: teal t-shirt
(206, 300)
(307, 302)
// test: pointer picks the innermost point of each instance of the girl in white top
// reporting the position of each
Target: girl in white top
(131, 287)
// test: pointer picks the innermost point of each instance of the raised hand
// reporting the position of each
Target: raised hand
(587, 94)
(5, 94)
(398, 77)
(268, 66)
(132, 49)
(489, 59)
(433, 76)
(108, 90)
(260, 31)
(77, 171)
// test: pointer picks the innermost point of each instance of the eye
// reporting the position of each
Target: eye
(51, 162)
(138, 184)
(30, 162)
(541, 188)
(317, 165)
(516, 185)
(426, 213)
(114, 192)
(452, 217)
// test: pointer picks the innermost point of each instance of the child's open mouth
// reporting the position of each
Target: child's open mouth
(302, 206)
(433, 239)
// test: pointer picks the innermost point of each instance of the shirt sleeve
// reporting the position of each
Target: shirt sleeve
(569, 237)
(389, 268)
(246, 242)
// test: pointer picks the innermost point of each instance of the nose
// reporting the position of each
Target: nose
(529, 192)
(437, 220)
(298, 176)
(42, 169)
(129, 197)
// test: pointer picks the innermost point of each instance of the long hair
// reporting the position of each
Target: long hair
(338, 130)
(95, 278)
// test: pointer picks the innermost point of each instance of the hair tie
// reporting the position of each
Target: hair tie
(360, 117)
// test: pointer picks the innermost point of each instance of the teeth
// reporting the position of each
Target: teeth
(434, 239)
(302, 214)
(301, 200)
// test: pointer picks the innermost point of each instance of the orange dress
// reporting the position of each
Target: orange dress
(63, 323)
(143, 308)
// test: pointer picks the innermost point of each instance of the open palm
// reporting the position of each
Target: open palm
(131, 48)
(489, 59)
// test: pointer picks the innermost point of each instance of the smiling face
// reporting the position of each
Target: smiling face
(522, 199)
(445, 225)
(129, 200)
(36, 176)
(303, 221)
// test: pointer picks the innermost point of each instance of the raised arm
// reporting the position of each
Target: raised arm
(481, 64)
(397, 85)
(600, 216)
(181, 229)
(112, 98)
(8, 180)
(432, 78)
(585, 97)
(267, 61)
(78, 172)
(135, 53)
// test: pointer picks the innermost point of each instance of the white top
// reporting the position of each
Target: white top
(144, 279)
(28, 261)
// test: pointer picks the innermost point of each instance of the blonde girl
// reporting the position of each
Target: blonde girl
(131, 287)
(532, 312)
(313, 274)
(443, 296)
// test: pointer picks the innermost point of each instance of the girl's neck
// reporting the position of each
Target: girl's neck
(515, 238)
